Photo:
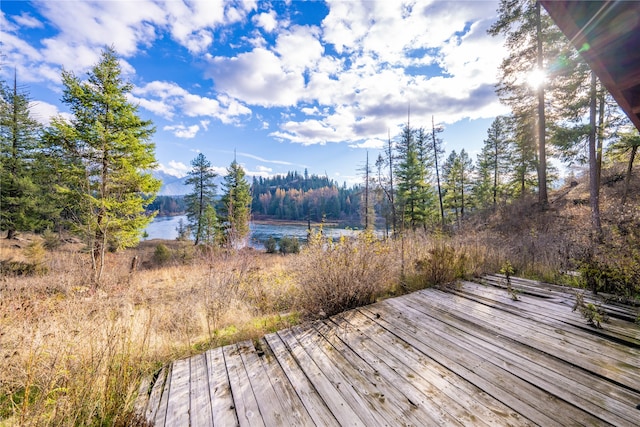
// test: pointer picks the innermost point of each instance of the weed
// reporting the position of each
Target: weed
(441, 267)
(594, 314)
(507, 270)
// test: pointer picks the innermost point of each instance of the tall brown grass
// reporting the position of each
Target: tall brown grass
(74, 354)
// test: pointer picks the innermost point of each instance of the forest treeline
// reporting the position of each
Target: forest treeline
(305, 197)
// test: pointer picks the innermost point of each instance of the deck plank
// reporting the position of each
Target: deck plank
(414, 404)
(160, 417)
(557, 309)
(293, 408)
(615, 367)
(339, 404)
(178, 404)
(153, 402)
(426, 374)
(521, 396)
(271, 409)
(244, 399)
(200, 400)
(313, 403)
(222, 405)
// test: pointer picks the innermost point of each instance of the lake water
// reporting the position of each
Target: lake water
(164, 227)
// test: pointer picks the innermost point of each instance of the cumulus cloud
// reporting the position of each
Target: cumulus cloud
(182, 131)
(349, 79)
(267, 21)
(167, 99)
(374, 144)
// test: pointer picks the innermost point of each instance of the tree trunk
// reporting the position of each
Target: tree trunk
(542, 158)
(627, 178)
(594, 190)
(435, 156)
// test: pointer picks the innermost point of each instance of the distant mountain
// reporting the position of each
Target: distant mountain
(175, 186)
(171, 185)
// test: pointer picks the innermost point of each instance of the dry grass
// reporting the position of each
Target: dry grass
(74, 354)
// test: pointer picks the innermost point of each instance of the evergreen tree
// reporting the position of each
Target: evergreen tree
(236, 203)
(106, 151)
(201, 179)
(627, 145)
(532, 40)
(493, 164)
(412, 190)
(457, 175)
(19, 148)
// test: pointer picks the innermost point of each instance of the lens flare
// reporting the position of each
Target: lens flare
(537, 78)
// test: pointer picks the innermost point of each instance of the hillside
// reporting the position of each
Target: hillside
(545, 243)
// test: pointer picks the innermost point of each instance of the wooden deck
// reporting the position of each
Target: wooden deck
(468, 357)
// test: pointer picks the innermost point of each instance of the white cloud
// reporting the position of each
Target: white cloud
(182, 131)
(374, 144)
(28, 21)
(174, 168)
(257, 77)
(267, 21)
(167, 99)
(43, 112)
(260, 159)
(265, 169)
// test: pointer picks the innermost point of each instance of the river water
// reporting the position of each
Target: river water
(165, 227)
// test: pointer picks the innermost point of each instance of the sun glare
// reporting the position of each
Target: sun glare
(536, 78)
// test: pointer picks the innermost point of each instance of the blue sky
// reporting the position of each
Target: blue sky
(286, 85)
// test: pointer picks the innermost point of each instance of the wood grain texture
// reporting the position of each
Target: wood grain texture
(469, 356)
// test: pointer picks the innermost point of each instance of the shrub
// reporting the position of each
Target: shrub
(51, 240)
(289, 245)
(162, 254)
(270, 245)
(340, 275)
(441, 267)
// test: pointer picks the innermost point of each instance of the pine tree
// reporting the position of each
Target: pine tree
(201, 179)
(412, 190)
(627, 145)
(493, 164)
(236, 203)
(533, 42)
(107, 153)
(19, 146)
(457, 175)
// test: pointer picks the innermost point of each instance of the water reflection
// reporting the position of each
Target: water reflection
(166, 228)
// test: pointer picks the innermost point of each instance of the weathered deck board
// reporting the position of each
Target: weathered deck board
(200, 405)
(471, 356)
(222, 405)
(536, 368)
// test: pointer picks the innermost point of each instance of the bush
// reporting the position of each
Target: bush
(442, 267)
(51, 240)
(289, 245)
(337, 276)
(162, 254)
(270, 245)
